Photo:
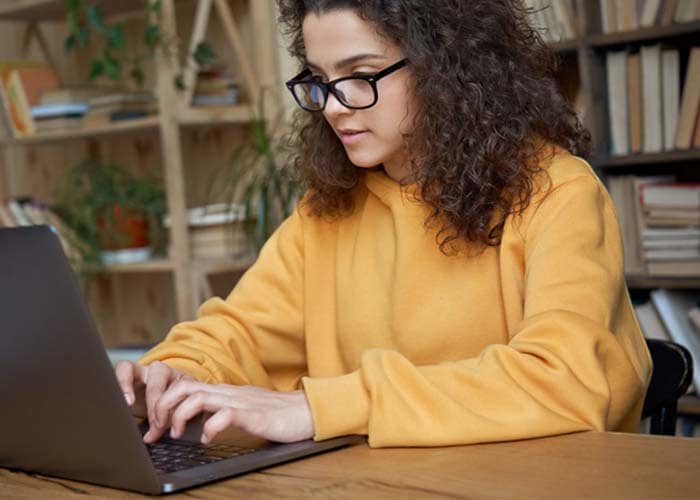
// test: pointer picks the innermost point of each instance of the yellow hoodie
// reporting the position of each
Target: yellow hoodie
(391, 338)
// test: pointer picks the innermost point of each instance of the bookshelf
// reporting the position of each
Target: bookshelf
(586, 55)
(247, 26)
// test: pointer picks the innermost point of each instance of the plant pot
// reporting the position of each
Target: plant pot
(123, 236)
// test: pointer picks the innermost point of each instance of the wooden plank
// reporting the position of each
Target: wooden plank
(201, 20)
(655, 33)
(687, 155)
(54, 10)
(167, 67)
(242, 58)
(240, 113)
(120, 127)
(572, 466)
(644, 282)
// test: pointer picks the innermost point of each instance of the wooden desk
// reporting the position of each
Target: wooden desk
(583, 465)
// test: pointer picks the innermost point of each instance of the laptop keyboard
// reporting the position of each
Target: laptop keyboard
(171, 456)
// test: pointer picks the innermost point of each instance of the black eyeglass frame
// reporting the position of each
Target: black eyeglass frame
(329, 87)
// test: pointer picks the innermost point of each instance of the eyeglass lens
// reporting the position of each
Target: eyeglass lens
(353, 92)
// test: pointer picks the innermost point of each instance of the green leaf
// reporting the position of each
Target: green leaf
(179, 81)
(83, 36)
(95, 19)
(152, 35)
(152, 6)
(204, 54)
(69, 44)
(112, 67)
(115, 37)
(96, 70)
(136, 74)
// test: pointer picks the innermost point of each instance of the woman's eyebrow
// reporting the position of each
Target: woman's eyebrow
(348, 61)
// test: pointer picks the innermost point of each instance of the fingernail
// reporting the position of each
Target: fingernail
(173, 434)
(129, 398)
(204, 439)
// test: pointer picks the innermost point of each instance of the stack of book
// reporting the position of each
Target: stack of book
(215, 86)
(670, 233)
(629, 15)
(58, 115)
(117, 106)
(672, 315)
(647, 109)
(554, 19)
(660, 222)
(16, 212)
(217, 232)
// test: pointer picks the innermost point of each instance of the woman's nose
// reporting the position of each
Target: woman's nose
(334, 107)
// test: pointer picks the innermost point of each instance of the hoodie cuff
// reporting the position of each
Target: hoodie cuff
(339, 405)
(196, 368)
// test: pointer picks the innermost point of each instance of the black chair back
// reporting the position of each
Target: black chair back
(671, 376)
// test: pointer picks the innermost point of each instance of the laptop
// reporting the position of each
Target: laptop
(63, 413)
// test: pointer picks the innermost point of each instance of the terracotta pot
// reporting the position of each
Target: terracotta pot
(127, 229)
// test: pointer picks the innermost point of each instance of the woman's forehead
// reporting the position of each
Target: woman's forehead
(341, 34)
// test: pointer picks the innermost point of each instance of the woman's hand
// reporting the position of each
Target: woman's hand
(278, 416)
(170, 397)
(143, 387)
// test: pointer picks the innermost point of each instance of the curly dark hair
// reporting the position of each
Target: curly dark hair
(488, 112)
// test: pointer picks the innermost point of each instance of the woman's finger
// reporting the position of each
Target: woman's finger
(194, 404)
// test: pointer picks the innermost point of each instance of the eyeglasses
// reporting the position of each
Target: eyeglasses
(354, 92)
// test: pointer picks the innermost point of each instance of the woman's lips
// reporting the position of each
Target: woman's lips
(348, 136)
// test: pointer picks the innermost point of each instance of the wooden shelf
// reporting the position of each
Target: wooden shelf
(202, 115)
(566, 46)
(189, 116)
(678, 156)
(148, 266)
(55, 10)
(124, 126)
(214, 266)
(649, 282)
(652, 34)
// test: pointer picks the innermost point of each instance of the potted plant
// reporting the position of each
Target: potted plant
(117, 215)
(258, 177)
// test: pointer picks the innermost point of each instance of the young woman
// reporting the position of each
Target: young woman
(453, 274)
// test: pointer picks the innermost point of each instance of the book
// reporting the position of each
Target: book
(670, 84)
(655, 233)
(674, 269)
(672, 254)
(678, 195)
(35, 79)
(690, 101)
(16, 105)
(75, 94)
(696, 135)
(616, 66)
(651, 99)
(634, 97)
(6, 217)
(608, 13)
(673, 307)
(668, 9)
(650, 322)
(58, 123)
(627, 15)
(59, 109)
(650, 13)
(687, 242)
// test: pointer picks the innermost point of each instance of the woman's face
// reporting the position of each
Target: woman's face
(339, 43)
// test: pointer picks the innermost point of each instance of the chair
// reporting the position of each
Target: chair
(671, 376)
